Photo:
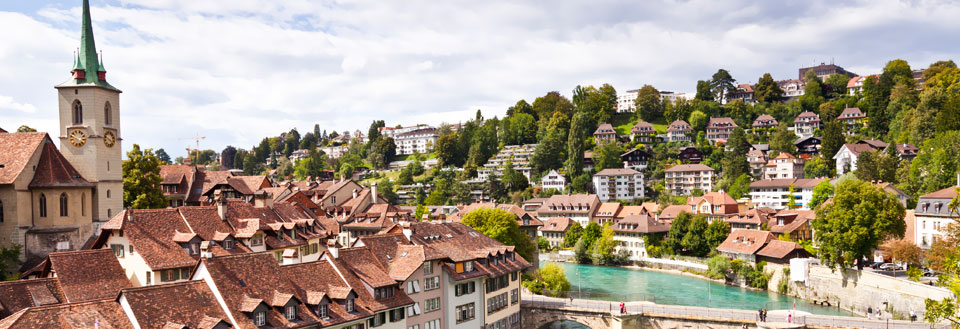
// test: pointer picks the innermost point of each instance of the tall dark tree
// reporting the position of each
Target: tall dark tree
(575, 141)
(227, 156)
(735, 159)
(721, 84)
(163, 156)
(704, 90)
(832, 140)
(767, 90)
(812, 92)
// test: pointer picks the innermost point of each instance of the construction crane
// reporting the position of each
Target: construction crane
(197, 140)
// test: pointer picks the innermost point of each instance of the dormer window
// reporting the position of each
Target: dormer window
(323, 311)
(290, 312)
(228, 244)
(348, 305)
(260, 318)
(256, 240)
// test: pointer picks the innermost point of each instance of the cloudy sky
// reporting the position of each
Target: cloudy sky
(238, 70)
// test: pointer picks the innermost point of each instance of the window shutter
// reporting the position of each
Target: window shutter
(416, 286)
(416, 308)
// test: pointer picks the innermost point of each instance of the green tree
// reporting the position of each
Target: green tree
(822, 192)
(812, 92)
(695, 241)
(735, 160)
(447, 150)
(554, 278)
(542, 243)
(26, 129)
(573, 234)
(678, 229)
(164, 158)
(767, 90)
(578, 132)
(935, 166)
(704, 91)
(581, 251)
(944, 257)
(782, 140)
(718, 266)
(607, 156)
(591, 233)
(552, 103)
(604, 248)
(740, 187)
(836, 85)
(420, 211)
(716, 233)
(698, 120)
(860, 217)
(141, 180)
(10, 262)
(818, 167)
(876, 166)
(386, 191)
(647, 104)
(549, 152)
(721, 84)
(501, 225)
(580, 183)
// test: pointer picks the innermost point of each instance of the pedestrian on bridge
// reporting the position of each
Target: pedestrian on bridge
(869, 312)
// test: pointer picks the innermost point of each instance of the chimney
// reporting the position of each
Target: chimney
(221, 206)
(354, 193)
(373, 192)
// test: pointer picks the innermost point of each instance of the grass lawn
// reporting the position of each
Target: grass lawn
(623, 122)
(410, 157)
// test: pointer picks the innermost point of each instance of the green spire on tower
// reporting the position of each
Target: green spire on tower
(88, 48)
(86, 59)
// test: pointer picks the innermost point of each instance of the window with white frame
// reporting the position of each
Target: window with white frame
(465, 312)
(431, 304)
(290, 312)
(431, 283)
(427, 268)
(260, 318)
(432, 324)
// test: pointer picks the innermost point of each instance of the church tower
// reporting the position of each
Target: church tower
(90, 125)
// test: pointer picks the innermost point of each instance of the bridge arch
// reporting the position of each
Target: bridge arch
(564, 324)
(542, 317)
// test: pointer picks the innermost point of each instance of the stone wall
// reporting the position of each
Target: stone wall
(856, 290)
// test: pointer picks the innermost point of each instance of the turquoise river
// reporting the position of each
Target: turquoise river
(623, 284)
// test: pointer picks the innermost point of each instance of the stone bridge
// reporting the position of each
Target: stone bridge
(538, 311)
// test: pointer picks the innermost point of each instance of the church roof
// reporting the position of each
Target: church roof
(16, 149)
(53, 170)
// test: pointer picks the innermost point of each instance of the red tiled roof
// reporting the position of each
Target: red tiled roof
(724, 122)
(315, 281)
(20, 294)
(745, 241)
(53, 170)
(189, 303)
(558, 224)
(104, 313)
(253, 277)
(151, 232)
(16, 149)
(641, 224)
(779, 249)
(678, 126)
(87, 274)
(689, 167)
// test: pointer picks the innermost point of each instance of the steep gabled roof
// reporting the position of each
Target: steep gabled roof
(151, 232)
(16, 149)
(87, 274)
(190, 303)
(314, 281)
(746, 242)
(20, 294)
(53, 170)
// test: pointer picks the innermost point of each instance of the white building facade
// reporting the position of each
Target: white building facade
(618, 184)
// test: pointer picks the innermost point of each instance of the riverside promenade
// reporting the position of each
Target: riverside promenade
(596, 314)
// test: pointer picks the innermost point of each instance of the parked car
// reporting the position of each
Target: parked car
(890, 267)
(929, 273)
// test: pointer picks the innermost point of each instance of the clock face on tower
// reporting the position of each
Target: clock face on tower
(78, 138)
(109, 139)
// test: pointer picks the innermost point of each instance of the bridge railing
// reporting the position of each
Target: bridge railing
(613, 308)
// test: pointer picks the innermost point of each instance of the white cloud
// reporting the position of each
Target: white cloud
(240, 70)
(7, 102)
